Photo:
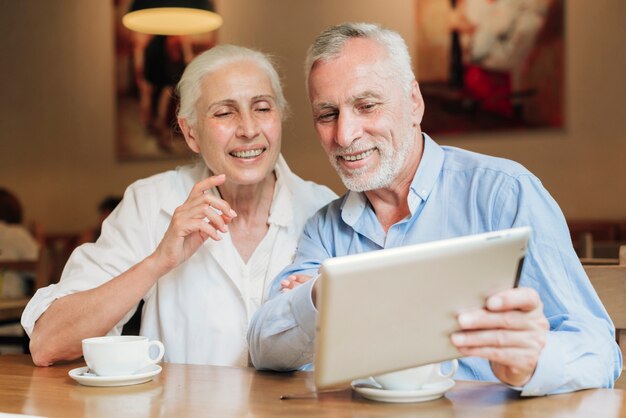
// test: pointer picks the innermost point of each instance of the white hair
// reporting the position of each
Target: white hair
(189, 90)
(330, 42)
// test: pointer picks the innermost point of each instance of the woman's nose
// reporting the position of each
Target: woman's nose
(248, 126)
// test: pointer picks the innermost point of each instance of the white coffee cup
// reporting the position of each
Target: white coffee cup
(120, 355)
(416, 377)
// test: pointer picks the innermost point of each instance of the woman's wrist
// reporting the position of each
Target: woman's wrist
(154, 267)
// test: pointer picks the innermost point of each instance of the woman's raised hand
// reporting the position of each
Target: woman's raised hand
(200, 217)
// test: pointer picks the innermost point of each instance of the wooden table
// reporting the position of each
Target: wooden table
(211, 391)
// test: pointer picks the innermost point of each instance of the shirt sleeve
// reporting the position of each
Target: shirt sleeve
(282, 332)
(124, 241)
(580, 350)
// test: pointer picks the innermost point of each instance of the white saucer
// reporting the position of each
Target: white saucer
(84, 377)
(370, 390)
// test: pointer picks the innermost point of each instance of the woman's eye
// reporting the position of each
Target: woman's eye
(262, 106)
(327, 117)
(222, 114)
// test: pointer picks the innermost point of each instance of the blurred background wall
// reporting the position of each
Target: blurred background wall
(57, 107)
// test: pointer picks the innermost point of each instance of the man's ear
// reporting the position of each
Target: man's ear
(417, 104)
(189, 134)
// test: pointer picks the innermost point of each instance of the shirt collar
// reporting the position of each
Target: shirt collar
(429, 169)
(425, 178)
(353, 206)
(281, 211)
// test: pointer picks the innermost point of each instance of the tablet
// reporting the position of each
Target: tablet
(396, 308)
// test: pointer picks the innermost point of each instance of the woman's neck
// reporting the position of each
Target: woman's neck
(250, 201)
(252, 204)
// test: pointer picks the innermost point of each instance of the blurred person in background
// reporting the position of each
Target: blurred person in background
(105, 207)
(16, 244)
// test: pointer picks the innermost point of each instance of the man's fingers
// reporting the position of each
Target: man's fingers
(515, 358)
(292, 281)
(514, 320)
(300, 278)
(510, 332)
(523, 299)
(498, 338)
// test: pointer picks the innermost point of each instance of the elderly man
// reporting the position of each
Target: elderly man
(550, 335)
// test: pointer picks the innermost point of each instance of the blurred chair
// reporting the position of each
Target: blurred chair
(598, 253)
(622, 230)
(609, 281)
(585, 245)
(60, 247)
(601, 230)
(595, 238)
(11, 309)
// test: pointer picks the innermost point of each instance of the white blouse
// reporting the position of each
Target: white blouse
(201, 309)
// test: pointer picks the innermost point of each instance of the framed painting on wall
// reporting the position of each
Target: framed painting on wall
(148, 68)
(489, 65)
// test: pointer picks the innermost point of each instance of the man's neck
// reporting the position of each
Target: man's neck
(391, 203)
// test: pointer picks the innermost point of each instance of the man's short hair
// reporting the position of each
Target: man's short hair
(330, 42)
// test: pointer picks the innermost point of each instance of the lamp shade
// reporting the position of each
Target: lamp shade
(172, 17)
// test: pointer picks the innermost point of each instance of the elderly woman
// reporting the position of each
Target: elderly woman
(200, 244)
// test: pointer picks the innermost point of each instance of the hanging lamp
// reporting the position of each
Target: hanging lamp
(172, 17)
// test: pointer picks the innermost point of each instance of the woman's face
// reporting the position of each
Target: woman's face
(238, 124)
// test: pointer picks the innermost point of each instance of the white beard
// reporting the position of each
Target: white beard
(391, 163)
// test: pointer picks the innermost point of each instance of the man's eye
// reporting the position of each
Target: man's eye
(368, 106)
(263, 109)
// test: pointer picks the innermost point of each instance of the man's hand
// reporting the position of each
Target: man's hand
(293, 281)
(510, 332)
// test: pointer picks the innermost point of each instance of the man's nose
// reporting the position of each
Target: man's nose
(349, 129)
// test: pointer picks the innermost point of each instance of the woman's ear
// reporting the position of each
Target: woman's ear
(190, 135)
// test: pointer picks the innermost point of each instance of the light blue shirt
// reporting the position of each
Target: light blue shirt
(455, 193)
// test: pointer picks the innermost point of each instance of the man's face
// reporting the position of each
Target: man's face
(366, 121)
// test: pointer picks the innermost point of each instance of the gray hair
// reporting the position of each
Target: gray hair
(189, 90)
(330, 42)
